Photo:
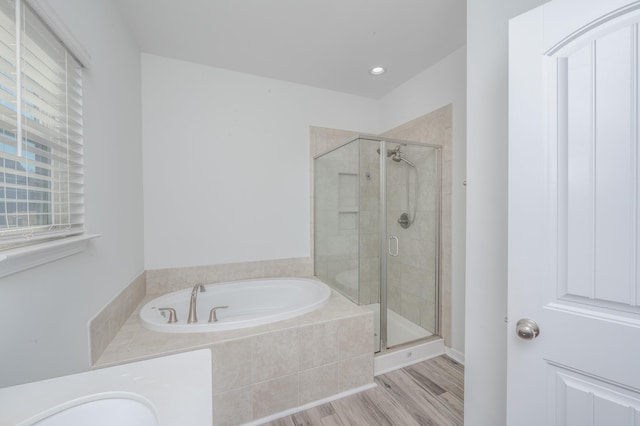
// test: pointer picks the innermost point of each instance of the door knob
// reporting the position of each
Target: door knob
(527, 329)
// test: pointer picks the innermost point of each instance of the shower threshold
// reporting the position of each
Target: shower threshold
(408, 342)
(399, 329)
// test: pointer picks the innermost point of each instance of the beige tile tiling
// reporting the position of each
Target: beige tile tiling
(160, 281)
(233, 407)
(275, 395)
(134, 342)
(318, 344)
(318, 383)
(274, 354)
(257, 371)
(355, 336)
(106, 324)
(230, 362)
(355, 372)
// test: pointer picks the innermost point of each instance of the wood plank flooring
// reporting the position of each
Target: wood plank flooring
(427, 393)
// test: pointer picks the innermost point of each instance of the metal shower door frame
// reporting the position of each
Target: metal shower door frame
(384, 235)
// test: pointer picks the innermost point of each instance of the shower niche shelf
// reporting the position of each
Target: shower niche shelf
(347, 201)
(348, 191)
(347, 220)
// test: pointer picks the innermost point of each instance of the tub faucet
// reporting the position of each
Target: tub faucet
(172, 314)
(213, 316)
(192, 303)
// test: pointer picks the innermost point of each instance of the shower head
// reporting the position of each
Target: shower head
(392, 152)
(398, 157)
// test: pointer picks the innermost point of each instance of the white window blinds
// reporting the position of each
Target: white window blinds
(41, 165)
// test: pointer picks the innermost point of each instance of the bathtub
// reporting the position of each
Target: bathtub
(248, 303)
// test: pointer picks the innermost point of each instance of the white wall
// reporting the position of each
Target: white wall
(230, 149)
(486, 276)
(442, 84)
(233, 151)
(226, 162)
(46, 310)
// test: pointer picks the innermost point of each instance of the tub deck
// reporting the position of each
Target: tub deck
(134, 342)
(308, 358)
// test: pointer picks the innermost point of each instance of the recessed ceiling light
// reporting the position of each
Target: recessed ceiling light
(377, 70)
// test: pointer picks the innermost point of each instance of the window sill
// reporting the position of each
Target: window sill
(24, 258)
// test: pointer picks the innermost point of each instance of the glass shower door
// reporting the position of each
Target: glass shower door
(412, 205)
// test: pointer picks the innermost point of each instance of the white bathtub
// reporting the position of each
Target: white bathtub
(250, 303)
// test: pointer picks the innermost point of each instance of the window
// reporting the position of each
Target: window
(41, 164)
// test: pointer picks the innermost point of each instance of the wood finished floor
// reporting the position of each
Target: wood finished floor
(427, 393)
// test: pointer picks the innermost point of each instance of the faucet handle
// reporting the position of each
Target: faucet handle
(213, 317)
(172, 314)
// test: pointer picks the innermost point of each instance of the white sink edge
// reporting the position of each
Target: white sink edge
(87, 399)
(178, 387)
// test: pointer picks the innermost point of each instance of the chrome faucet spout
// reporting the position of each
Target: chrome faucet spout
(193, 317)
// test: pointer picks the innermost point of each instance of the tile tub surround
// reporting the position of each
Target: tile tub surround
(161, 281)
(105, 325)
(266, 369)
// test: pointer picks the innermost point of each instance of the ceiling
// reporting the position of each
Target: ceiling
(330, 44)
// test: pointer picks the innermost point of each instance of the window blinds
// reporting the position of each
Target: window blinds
(41, 161)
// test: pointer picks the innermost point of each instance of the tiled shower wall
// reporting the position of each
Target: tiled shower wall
(411, 287)
(435, 128)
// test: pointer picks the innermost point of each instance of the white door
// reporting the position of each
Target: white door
(574, 224)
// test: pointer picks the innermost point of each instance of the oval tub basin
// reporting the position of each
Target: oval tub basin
(249, 303)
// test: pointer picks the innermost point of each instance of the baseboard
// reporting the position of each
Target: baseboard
(290, 411)
(455, 355)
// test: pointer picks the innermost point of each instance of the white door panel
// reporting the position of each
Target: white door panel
(574, 213)
(568, 19)
(600, 167)
(585, 401)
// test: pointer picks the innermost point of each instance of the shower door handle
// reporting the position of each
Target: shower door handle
(397, 251)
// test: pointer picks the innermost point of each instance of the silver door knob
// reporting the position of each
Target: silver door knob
(527, 329)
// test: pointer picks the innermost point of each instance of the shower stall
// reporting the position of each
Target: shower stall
(377, 232)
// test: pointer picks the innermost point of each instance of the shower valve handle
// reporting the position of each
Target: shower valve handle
(404, 220)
